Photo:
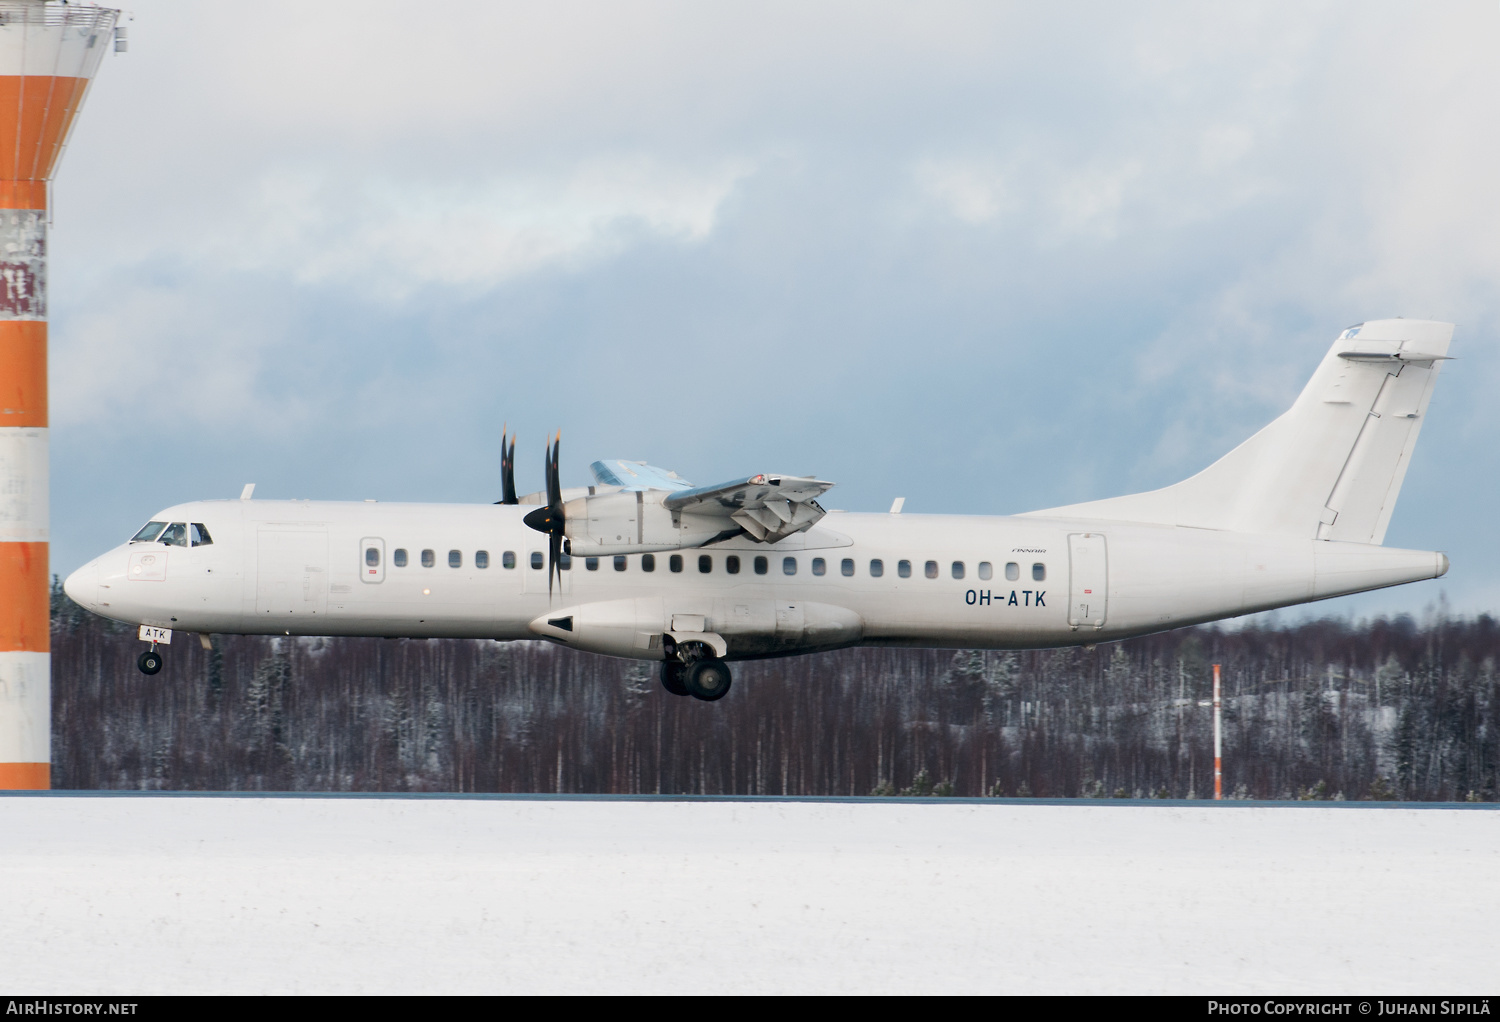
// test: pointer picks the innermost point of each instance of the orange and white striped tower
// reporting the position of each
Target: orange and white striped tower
(49, 53)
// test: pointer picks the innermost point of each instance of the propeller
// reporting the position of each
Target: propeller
(550, 518)
(507, 470)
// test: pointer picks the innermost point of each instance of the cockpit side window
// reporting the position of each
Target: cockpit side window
(148, 532)
(175, 535)
(199, 535)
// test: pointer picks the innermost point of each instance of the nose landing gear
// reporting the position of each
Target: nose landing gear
(150, 662)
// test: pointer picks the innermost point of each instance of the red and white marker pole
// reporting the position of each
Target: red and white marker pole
(1218, 740)
(48, 55)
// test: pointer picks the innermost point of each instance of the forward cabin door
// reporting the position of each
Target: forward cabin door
(291, 578)
(1088, 580)
(372, 559)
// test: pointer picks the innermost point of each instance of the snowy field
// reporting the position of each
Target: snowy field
(141, 895)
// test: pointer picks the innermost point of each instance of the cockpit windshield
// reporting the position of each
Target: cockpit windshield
(148, 532)
(176, 534)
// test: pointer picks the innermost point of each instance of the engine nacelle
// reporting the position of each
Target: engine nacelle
(644, 628)
(634, 522)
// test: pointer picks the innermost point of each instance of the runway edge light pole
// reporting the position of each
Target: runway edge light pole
(49, 53)
(1218, 739)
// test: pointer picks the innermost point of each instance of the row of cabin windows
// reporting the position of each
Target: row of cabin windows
(401, 559)
(762, 566)
(173, 534)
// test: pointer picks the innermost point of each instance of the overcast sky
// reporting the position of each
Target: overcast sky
(991, 257)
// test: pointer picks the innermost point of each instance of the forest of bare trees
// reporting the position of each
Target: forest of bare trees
(1322, 709)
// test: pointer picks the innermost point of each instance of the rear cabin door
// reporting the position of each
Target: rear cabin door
(1088, 580)
(291, 578)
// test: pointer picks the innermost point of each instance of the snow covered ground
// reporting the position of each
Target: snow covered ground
(138, 895)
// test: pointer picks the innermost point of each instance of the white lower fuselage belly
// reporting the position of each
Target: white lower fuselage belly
(300, 568)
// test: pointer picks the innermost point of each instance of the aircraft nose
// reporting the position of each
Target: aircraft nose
(82, 586)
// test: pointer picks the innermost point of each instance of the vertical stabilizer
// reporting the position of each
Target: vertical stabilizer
(1331, 466)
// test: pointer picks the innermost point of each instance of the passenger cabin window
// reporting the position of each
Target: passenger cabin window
(1039, 573)
(958, 569)
(536, 559)
(986, 570)
(732, 564)
(565, 562)
(591, 563)
(789, 565)
(877, 568)
(399, 557)
(508, 559)
(819, 566)
(176, 535)
(428, 558)
(481, 558)
(903, 568)
(1012, 571)
(705, 564)
(762, 565)
(931, 569)
(148, 532)
(619, 562)
(674, 563)
(648, 562)
(846, 566)
(455, 558)
(200, 535)
(372, 556)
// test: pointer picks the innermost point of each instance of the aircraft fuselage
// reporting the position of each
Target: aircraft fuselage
(475, 571)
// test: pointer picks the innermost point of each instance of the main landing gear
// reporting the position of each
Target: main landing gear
(150, 662)
(702, 679)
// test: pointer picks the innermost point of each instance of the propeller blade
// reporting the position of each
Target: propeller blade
(554, 476)
(507, 469)
(554, 555)
(554, 502)
(551, 518)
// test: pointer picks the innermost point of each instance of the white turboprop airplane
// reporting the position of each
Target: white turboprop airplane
(644, 565)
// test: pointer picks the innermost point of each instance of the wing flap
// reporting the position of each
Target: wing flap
(767, 507)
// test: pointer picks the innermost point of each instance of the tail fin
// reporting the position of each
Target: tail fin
(1331, 466)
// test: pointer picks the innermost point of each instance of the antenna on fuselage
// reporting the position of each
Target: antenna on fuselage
(246, 493)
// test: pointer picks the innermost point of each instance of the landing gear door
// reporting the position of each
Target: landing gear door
(1088, 580)
(372, 559)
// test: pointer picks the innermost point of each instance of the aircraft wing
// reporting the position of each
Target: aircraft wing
(636, 475)
(768, 507)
